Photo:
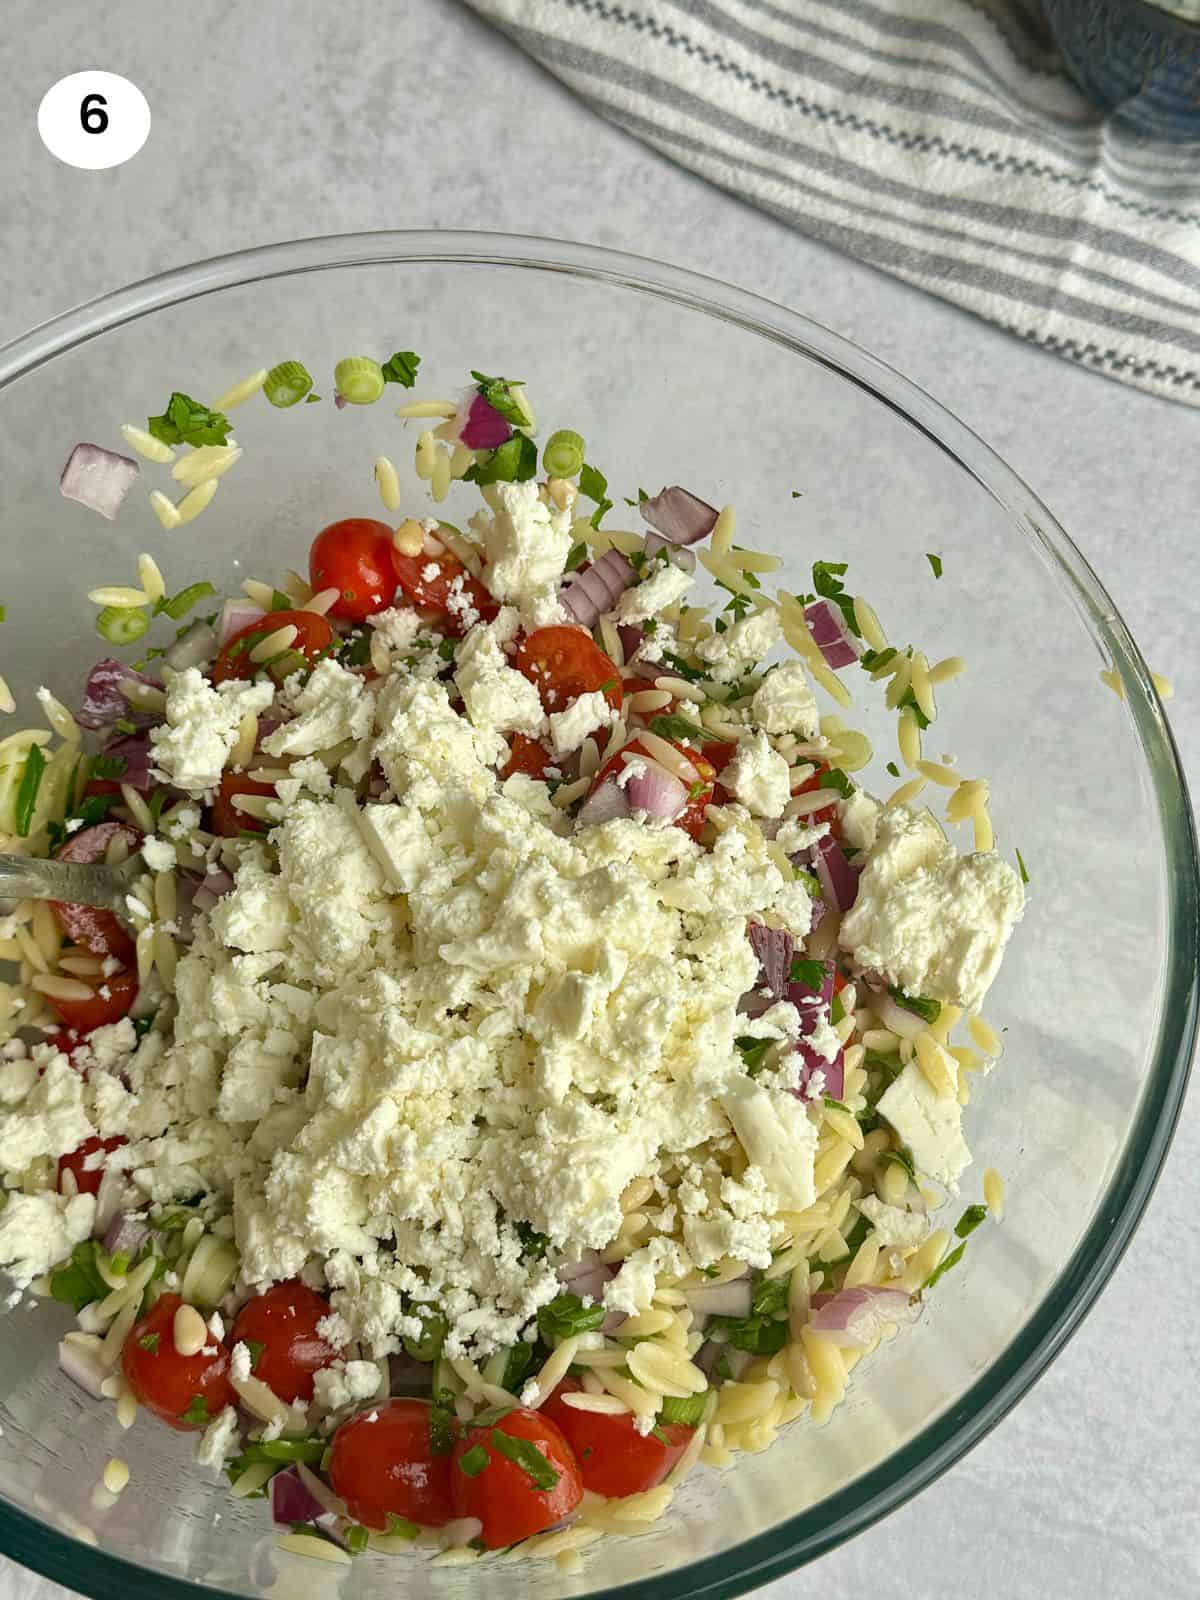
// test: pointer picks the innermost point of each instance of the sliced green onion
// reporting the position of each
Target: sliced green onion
(475, 1461)
(356, 1539)
(562, 454)
(122, 624)
(178, 605)
(359, 380)
(31, 780)
(287, 383)
(689, 1410)
(526, 1455)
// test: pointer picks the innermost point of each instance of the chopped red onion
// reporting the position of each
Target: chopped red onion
(484, 428)
(839, 880)
(195, 647)
(292, 1500)
(339, 400)
(98, 478)
(135, 750)
(587, 1276)
(219, 882)
(236, 615)
(103, 702)
(126, 1232)
(830, 634)
(906, 1023)
(654, 790)
(775, 949)
(587, 595)
(607, 803)
(818, 1076)
(83, 1367)
(631, 639)
(811, 1005)
(679, 516)
(721, 1299)
(856, 1317)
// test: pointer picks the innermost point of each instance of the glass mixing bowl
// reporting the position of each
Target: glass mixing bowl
(670, 377)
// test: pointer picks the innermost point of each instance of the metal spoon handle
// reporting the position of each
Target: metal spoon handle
(24, 878)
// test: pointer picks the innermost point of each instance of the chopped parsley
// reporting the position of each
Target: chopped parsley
(870, 659)
(515, 461)
(678, 728)
(927, 1010)
(197, 1411)
(533, 1243)
(517, 1364)
(577, 556)
(565, 1315)
(835, 778)
(498, 392)
(593, 485)
(1021, 865)
(770, 1296)
(401, 368)
(753, 1052)
(893, 769)
(900, 1158)
(108, 766)
(281, 601)
(149, 1341)
(526, 1455)
(442, 1430)
(256, 1348)
(27, 792)
(944, 1267)
(186, 421)
(759, 1335)
(827, 582)
(123, 725)
(475, 1461)
(969, 1221)
(809, 973)
(447, 648)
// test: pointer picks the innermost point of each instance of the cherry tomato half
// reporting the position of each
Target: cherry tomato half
(502, 1493)
(313, 635)
(526, 755)
(614, 1458)
(227, 820)
(87, 1179)
(355, 558)
(392, 1465)
(112, 998)
(284, 1321)
(829, 813)
(96, 930)
(563, 662)
(185, 1392)
(440, 586)
(691, 819)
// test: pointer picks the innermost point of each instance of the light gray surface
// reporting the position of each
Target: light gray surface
(275, 119)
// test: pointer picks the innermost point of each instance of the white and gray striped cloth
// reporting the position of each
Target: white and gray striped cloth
(940, 140)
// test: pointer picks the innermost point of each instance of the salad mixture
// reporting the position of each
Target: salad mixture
(529, 1062)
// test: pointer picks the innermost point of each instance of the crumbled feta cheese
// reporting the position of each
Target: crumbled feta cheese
(37, 1231)
(219, 1440)
(777, 1135)
(240, 1363)
(664, 585)
(157, 854)
(201, 728)
(784, 702)
(527, 544)
(741, 646)
(892, 1224)
(397, 627)
(495, 694)
(345, 1383)
(930, 1125)
(586, 713)
(859, 813)
(332, 705)
(758, 777)
(934, 922)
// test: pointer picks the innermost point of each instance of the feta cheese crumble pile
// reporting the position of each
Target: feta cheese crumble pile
(515, 958)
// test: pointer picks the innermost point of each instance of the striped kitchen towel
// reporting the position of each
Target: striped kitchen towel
(940, 140)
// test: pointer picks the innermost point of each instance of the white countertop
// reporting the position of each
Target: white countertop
(274, 120)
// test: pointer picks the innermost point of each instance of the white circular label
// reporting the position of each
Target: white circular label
(94, 119)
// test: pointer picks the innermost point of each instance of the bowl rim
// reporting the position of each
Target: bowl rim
(821, 1527)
